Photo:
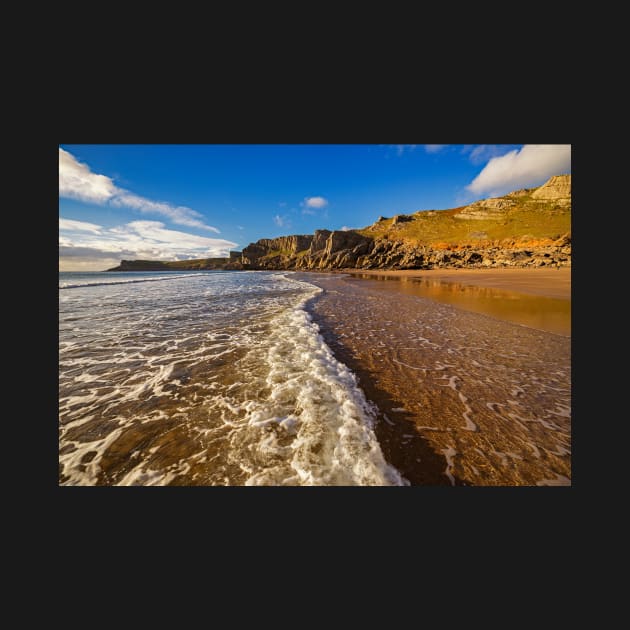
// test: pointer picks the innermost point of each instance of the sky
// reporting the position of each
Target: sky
(177, 202)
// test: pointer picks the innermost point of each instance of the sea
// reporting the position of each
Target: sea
(206, 378)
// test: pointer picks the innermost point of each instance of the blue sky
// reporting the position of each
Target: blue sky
(173, 202)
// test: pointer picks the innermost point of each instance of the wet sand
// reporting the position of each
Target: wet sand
(551, 283)
(464, 397)
(540, 300)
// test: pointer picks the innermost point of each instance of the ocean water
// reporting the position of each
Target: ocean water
(206, 378)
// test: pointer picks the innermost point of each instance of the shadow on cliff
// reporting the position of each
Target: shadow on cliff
(402, 444)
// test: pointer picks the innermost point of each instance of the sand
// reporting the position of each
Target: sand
(463, 397)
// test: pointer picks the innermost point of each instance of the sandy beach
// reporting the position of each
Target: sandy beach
(465, 397)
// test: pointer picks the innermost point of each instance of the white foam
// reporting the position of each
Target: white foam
(331, 441)
(452, 383)
(449, 453)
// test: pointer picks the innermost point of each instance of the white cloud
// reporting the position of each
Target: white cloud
(312, 206)
(530, 166)
(79, 226)
(76, 181)
(278, 220)
(315, 202)
(345, 228)
(148, 240)
(433, 148)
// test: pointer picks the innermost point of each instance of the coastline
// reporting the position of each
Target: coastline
(463, 398)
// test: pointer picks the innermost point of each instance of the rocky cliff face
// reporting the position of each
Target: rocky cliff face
(281, 246)
(349, 250)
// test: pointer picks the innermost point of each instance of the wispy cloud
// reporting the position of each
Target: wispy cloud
(529, 166)
(433, 148)
(77, 181)
(179, 215)
(79, 226)
(89, 246)
(401, 148)
(279, 221)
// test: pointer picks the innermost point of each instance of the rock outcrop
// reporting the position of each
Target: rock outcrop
(558, 189)
(281, 246)
(484, 209)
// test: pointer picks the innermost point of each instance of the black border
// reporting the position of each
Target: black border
(380, 115)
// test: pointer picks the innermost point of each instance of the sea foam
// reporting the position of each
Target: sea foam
(315, 426)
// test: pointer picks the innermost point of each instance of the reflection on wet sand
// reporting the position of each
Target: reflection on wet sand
(535, 311)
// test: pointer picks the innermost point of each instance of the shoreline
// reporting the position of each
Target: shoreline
(462, 399)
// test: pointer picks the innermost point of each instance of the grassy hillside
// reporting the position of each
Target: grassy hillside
(526, 219)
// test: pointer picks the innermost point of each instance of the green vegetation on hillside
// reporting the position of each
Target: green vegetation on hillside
(534, 219)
